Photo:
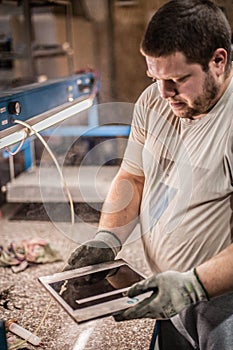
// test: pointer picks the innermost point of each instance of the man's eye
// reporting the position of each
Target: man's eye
(183, 79)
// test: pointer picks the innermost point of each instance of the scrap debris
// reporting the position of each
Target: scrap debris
(5, 297)
(8, 299)
(20, 255)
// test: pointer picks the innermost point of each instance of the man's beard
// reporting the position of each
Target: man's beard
(203, 103)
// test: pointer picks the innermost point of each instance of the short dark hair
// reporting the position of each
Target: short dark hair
(194, 27)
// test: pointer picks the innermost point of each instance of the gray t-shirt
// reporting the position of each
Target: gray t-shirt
(186, 208)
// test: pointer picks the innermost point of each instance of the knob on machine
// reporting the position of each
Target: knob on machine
(14, 107)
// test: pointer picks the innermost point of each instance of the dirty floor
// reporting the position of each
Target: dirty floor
(27, 301)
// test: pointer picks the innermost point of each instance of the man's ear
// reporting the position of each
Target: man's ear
(219, 61)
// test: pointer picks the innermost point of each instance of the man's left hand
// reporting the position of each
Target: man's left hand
(172, 292)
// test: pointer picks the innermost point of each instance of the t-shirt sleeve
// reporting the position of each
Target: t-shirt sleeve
(132, 161)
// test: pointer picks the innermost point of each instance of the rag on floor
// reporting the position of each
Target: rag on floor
(19, 255)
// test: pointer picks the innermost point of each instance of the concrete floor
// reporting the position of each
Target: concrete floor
(29, 301)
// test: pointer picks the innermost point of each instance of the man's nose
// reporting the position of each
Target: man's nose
(167, 88)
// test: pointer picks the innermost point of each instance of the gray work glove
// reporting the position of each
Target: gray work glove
(104, 247)
(171, 292)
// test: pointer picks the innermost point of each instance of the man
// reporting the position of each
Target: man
(177, 176)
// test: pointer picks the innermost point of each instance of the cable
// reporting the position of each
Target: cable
(31, 129)
(18, 148)
(55, 162)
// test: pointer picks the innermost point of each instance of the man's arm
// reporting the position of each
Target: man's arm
(119, 217)
(121, 208)
(216, 274)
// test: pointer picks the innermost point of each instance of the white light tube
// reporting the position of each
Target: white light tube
(47, 122)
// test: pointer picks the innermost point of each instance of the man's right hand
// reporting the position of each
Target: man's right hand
(90, 253)
(104, 247)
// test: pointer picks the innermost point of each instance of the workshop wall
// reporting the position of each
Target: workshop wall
(130, 67)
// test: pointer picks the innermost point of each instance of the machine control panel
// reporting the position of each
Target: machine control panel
(32, 100)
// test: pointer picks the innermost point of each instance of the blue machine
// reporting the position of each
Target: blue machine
(35, 103)
(42, 104)
(29, 101)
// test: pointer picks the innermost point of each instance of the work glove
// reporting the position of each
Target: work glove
(171, 293)
(104, 247)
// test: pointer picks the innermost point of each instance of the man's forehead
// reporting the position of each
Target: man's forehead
(174, 64)
(177, 57)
